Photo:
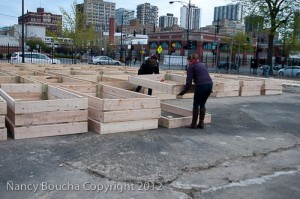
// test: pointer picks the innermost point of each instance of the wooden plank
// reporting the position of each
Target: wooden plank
(122, 93)
(154, 77)
(84, 88)
(175, 109)
(22, 107)
(48, 130)
(225, 94)
(2, 121)
(175, 77)
(21, 88)
(7, 79)
(155, 85)
(250, 93)
(134, 103)
(9, 100)
(174, 122)
(26, 96)
(3, 134)
(271, 92)
(55, 117)
(118, 127)
(169, 122)
(126, 115)
(63, 94)
(3, 106)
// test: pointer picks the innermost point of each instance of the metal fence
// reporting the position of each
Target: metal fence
(238, 64)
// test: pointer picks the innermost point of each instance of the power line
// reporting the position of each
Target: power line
(8, 15)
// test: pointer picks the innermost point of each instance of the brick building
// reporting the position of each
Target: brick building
(52, 22)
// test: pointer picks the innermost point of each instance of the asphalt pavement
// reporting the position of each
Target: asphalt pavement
(250, 150)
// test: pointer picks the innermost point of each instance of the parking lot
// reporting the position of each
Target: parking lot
(250, 150)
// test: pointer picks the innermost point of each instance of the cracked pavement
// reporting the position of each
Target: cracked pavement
(251, 150)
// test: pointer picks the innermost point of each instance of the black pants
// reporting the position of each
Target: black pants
(202, 92)
(140, 87)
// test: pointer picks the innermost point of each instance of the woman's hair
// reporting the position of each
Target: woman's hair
(193, 56)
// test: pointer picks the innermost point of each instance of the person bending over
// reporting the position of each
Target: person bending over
(198, 73)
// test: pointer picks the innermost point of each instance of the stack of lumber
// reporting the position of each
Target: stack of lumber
(36, 110)
(3, 111)
(174, 116)
(113, 110)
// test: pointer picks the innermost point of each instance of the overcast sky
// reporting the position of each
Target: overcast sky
(11, 9)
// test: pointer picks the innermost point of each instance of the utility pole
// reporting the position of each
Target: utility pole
(121, 43)
(188, 7)
(217, 27)
(23, 40)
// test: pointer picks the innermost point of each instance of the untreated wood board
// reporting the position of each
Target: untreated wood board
(125, 115)
(3, 106)
(46, 130)
(118, 127)
(54, 117)
(3, 134)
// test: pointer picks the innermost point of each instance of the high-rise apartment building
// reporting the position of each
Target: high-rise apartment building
(97, 13)
(52, 22)
(127, 16)
(147, 14)
(167, 21)
(193, 17)
(230, 12)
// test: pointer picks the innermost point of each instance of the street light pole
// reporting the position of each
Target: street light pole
(121, 44)
(23, 40)
(188, 7)
(188, 27)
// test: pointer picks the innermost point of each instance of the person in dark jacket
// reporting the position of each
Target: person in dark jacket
(148, 67)
(198, 72)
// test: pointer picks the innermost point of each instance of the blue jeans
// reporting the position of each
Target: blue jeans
(201, 94)
(267, 71)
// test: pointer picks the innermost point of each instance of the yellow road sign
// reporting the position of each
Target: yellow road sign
(159, 49)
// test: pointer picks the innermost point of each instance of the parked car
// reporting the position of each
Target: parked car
(104, 60)
(225, 65)
(34, 58)
(278, 67)
(290, 71)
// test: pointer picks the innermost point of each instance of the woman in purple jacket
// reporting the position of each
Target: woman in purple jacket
(198, 72)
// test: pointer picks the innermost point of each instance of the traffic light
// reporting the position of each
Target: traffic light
(144, 31)
(134, 33)
(190, 44)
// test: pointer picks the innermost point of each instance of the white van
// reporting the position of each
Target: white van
(32, 57)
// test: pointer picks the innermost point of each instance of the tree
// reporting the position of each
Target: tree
(75, 27)
(37, 44)
(276, 14)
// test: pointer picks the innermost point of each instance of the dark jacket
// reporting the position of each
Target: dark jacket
(197, 72)
(148, 68)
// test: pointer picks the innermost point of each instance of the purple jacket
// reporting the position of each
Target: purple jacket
(197, 71)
